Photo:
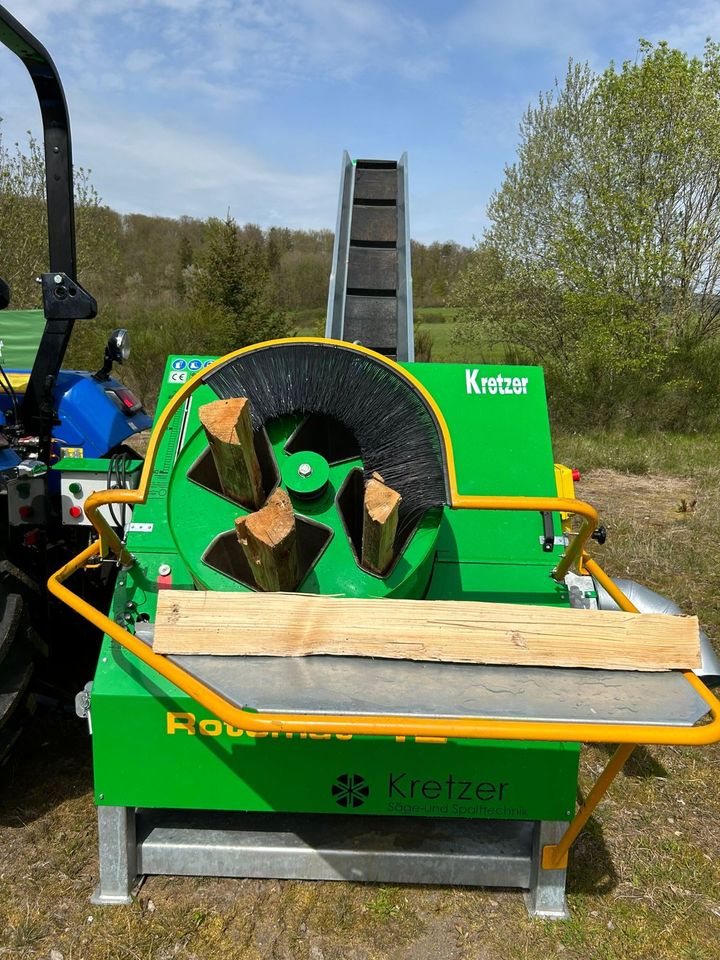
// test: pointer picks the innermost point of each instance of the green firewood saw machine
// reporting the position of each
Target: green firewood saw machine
(351, 767)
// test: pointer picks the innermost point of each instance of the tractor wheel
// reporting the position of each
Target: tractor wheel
(18, 650)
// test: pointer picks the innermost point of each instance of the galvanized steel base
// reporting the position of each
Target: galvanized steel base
(497, 853)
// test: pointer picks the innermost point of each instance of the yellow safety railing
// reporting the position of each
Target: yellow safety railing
(627, 735)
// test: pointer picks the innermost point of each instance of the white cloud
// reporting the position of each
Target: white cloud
(159, 168)
(141, 61)
(265, 41)
(556, 28)
(687, 25)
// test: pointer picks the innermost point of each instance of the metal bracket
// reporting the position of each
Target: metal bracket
(82, 704)
(65, 299)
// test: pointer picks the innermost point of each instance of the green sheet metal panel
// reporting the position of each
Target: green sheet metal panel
(496, 583)
(154, 746)
(502, 446)
(91, 465)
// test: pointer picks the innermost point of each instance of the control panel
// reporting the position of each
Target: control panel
(27, 501)
(79, 478)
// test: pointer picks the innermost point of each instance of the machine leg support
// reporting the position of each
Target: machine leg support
(546, 896)
(118, 856)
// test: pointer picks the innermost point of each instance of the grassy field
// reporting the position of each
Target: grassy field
(644, 881)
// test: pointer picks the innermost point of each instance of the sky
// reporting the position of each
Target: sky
(200, 107)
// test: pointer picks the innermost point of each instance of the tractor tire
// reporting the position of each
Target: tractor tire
(18, 651)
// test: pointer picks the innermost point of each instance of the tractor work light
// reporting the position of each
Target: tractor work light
(119, 345)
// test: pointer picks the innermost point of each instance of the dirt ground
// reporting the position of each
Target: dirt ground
(644, 879)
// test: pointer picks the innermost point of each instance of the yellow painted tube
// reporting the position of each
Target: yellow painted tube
(555, 855)
(596, 571)
(471, 728)
(561, 504)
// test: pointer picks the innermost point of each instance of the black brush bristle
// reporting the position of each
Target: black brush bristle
(394, 427)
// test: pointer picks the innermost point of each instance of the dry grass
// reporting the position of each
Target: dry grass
(644, 878)
(659, 498)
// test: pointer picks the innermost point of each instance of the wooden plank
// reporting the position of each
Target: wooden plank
(380, 519)
(269, 541)
(293, 624)
(229, 432)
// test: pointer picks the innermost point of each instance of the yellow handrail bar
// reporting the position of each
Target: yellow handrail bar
(473, 728)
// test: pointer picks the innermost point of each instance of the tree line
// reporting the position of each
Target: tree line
(181, 285)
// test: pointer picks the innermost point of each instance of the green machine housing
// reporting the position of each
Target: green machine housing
(154, 747)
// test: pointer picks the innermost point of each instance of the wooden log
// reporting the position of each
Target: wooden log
(447, 630)
(380, 519)
(269, 541)
(229, 432)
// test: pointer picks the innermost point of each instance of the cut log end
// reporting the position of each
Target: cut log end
(268, 539)
(229, 431)
(380, 518)
(220, 417)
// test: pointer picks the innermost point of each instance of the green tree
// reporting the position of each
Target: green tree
(231, 277)
(183, 263)
(602, 258)
(23, 215)
(434, 269)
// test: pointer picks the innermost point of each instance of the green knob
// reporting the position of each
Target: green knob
(23, 490)
(75, 489)
(305, 474)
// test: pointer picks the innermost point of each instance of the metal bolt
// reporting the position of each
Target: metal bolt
(164, 570)
(305, 470)
(57, 278)
(101, 796)
(131, 605)
(104, 659)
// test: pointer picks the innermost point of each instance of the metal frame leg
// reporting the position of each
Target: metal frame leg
(556, 854)
(546, 896)
(117, 849)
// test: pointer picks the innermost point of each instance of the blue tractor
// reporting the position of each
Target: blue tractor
(63, 433)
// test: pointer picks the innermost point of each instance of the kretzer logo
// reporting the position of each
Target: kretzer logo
(350, 790)
(493, 385)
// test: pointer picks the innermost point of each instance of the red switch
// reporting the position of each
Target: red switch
(25, 512)
(75, 512)
(575, 474)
